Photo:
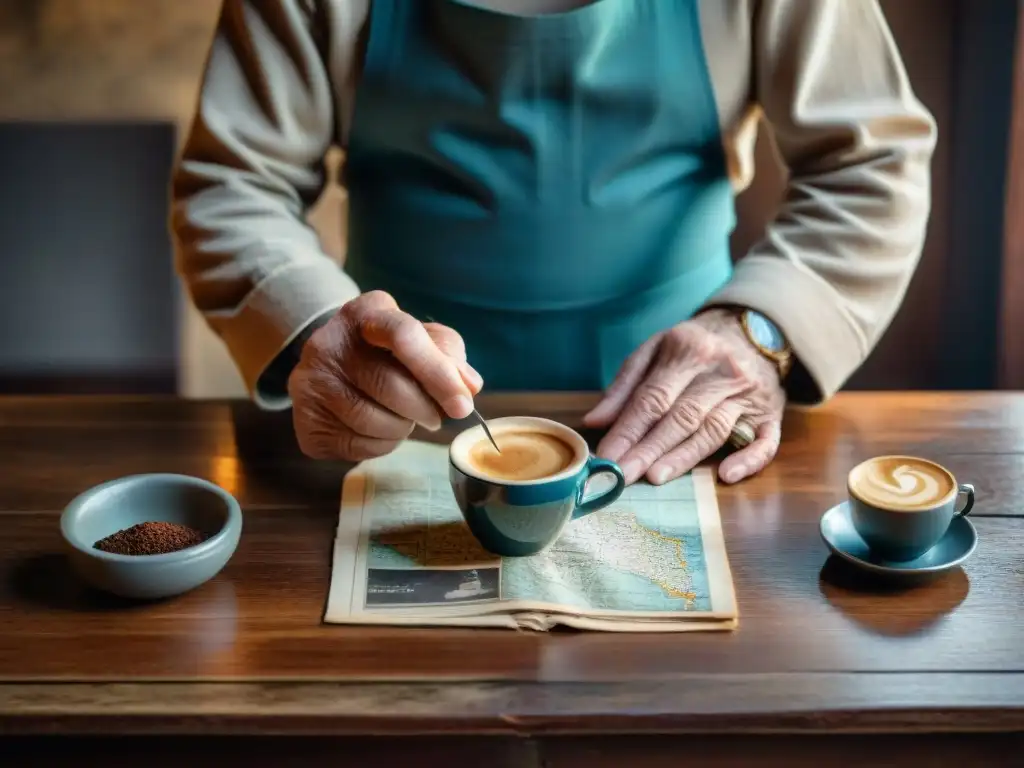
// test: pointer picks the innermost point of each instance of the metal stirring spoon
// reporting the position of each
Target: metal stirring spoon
(476, 414)
(487, 430)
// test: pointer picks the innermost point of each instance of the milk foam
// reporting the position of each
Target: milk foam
(524, 456)
(902, 484)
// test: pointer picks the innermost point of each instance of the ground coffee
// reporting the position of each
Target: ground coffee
(156, 538)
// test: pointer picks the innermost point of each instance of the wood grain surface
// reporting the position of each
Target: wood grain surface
(818, 648)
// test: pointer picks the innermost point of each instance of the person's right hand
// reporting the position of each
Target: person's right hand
(371, 374)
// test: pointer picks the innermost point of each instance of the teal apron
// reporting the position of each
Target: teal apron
(553, 187)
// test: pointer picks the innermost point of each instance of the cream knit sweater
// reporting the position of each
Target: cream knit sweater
(831, 271)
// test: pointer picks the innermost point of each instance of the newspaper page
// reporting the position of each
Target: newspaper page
(654, 560)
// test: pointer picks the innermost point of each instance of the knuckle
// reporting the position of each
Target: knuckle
(680, 335)
(347, 447)
(374, 299)
(367, 302)
(447, 340)
(704, 347)
(352, 309)
(442, 332)
(696, 344)
(702, 446)
(356, 412)
(718, 424)
(655, 399)
(406, 338)
(678, 339)
(326, 343)
(688, 416)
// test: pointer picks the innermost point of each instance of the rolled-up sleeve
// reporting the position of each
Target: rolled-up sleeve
(835, 263)
(251, 167)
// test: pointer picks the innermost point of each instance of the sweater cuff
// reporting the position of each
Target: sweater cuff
(272, 386)
(274, 314)
(825, 342)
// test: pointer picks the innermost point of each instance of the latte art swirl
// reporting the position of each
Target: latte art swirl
(901, 483)
(524, 456)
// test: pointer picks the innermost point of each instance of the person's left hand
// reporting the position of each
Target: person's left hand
(678, 396)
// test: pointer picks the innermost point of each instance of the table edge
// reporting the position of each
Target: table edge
(759, 703)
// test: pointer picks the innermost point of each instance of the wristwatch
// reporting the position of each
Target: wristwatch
(768, 339)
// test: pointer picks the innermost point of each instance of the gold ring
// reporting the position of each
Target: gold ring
(742, 435)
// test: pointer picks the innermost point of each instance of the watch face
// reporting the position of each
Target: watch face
(765, 332)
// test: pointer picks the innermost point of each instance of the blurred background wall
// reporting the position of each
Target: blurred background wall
(95, 100)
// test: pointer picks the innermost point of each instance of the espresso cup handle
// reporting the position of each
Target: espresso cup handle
(967, 491)
(598, 501)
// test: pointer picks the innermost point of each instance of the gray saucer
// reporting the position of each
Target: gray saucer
(842, 538)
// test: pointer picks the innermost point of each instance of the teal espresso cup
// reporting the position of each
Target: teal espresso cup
(902, 505)
(518, 503)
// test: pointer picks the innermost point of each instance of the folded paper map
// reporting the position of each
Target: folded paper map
(654, 561)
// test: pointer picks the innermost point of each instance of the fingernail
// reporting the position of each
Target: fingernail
(659, 475)
(631, 469)
(458, 407)
(473, 378)
(732, 475)
(597, 414)
(434, 423)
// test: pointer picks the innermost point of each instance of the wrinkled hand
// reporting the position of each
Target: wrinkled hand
(678, 396)
(371, 374)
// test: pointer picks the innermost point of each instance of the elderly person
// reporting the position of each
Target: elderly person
(541, 195)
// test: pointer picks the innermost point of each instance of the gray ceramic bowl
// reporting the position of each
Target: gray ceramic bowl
(122, 503)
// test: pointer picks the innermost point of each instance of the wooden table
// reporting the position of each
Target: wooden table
(820, 659)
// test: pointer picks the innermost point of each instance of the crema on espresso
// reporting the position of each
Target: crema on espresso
(525, 455)
(901, 483)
